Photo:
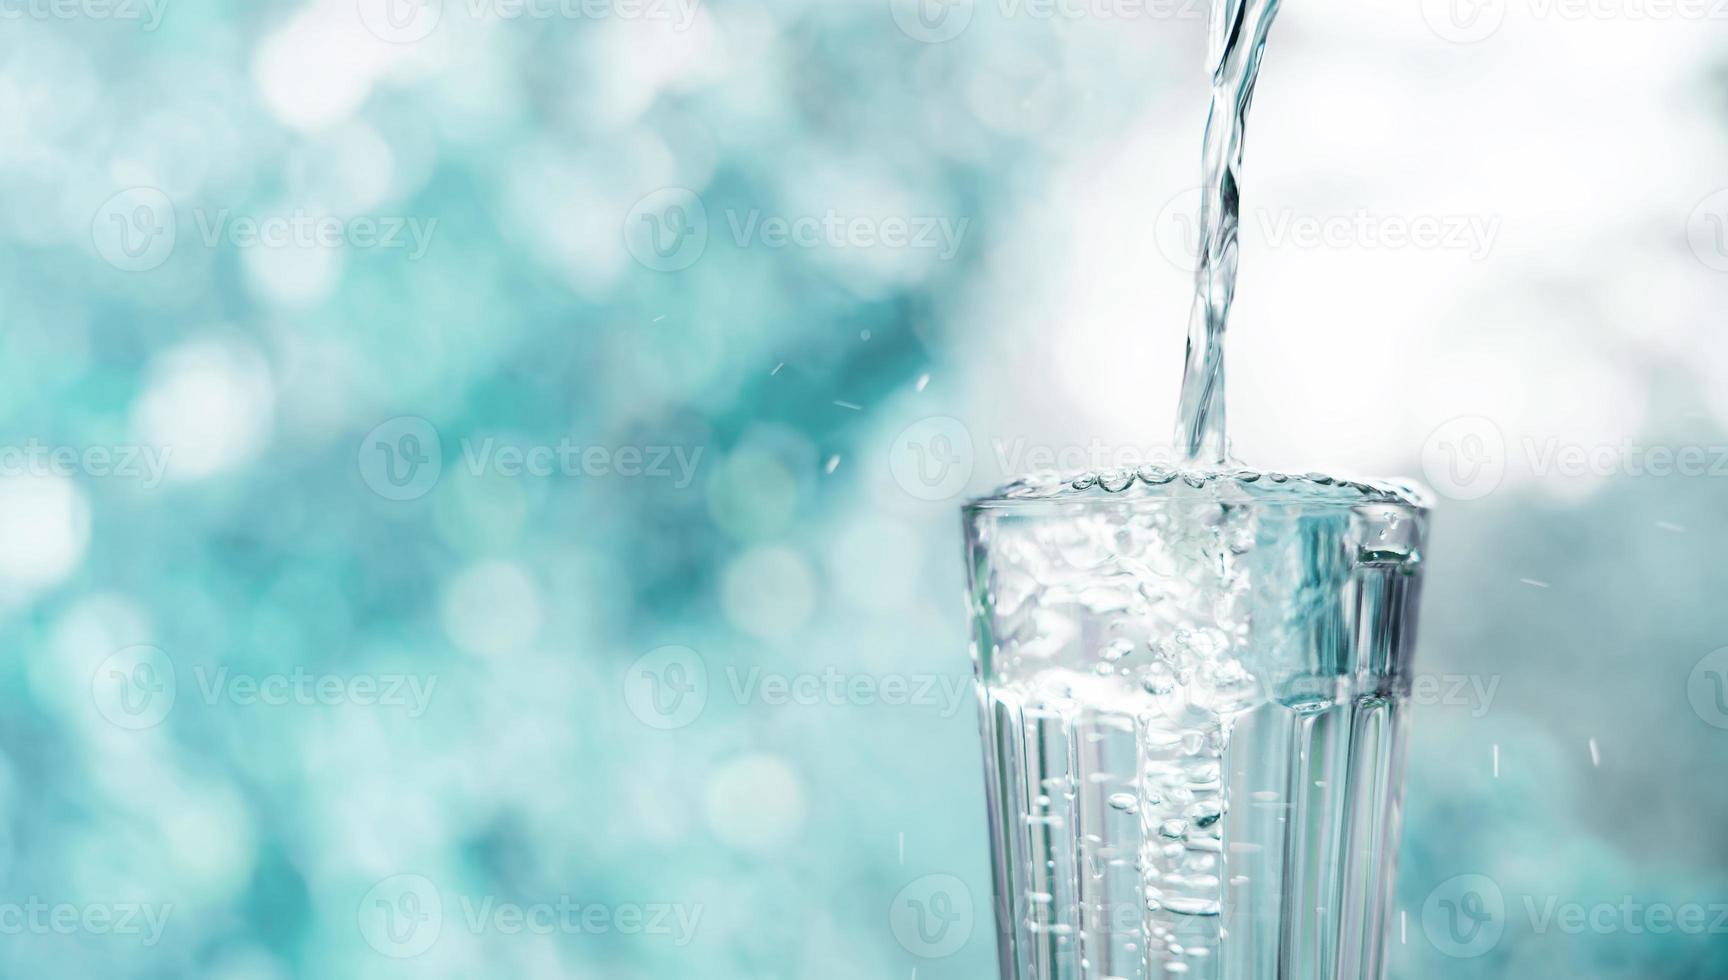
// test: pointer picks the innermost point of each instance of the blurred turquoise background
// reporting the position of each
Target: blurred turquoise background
(479, 479)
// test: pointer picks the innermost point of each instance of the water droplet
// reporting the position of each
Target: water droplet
(1125, 802)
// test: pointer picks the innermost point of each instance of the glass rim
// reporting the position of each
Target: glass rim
(1245, 488)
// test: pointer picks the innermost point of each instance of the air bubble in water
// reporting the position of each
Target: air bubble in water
(1183, 905)
(1116, 481)
(1204, 813)
(1158, 680)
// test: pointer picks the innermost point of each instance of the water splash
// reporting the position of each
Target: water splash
(1239, 31)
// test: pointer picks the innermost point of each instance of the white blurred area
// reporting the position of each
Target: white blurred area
(1584, 145)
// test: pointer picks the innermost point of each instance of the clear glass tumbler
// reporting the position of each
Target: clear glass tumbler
(1194, 689)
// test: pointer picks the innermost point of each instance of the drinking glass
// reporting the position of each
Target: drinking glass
(1194, 688)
